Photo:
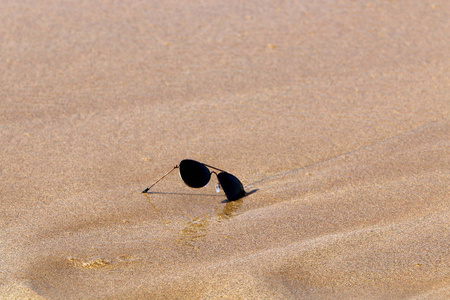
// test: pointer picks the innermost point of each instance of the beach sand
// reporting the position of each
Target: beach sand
(334, 114)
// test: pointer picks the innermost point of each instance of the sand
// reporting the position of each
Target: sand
(335, 114)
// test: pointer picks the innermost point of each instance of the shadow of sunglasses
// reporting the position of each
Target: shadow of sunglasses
(197, 175)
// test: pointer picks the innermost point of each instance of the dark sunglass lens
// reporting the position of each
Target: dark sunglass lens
(231, 186)
(194, 174)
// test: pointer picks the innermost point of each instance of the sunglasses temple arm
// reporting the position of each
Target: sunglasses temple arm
(148, 188)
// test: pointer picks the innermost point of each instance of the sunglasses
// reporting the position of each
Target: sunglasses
(197, 175)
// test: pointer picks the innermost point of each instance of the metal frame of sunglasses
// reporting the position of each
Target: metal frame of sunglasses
(196, 175)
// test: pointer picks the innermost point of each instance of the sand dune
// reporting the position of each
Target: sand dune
(333, 114)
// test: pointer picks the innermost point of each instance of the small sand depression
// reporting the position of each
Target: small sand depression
(101, 262)
(90, 263)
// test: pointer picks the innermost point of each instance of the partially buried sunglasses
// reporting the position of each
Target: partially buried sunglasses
(197, 175)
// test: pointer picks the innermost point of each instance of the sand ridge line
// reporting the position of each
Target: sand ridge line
(303, 256)
(284, 173)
